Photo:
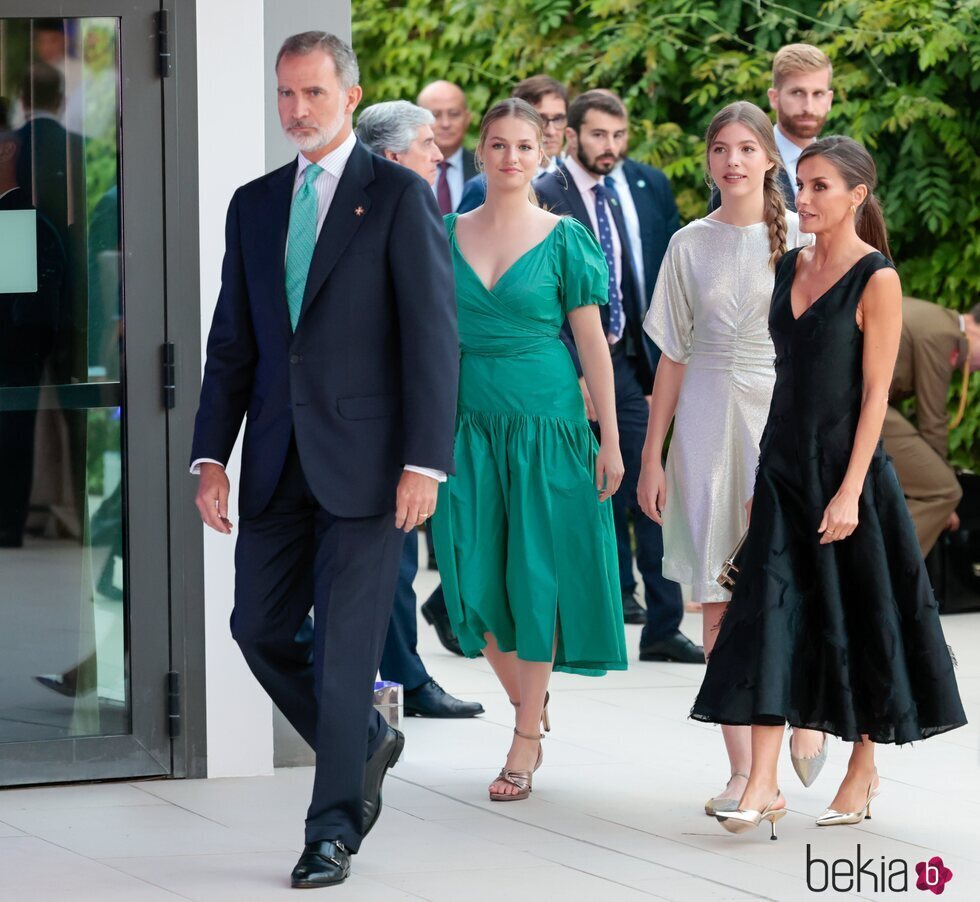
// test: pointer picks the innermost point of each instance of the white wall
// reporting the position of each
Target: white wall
(231, 124)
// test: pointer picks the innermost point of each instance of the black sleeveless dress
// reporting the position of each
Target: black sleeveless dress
(845, 637)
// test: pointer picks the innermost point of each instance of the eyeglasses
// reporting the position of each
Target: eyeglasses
(554, 121)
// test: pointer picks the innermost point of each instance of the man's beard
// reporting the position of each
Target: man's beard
(591, 166)
(794, 129)
(321, 136)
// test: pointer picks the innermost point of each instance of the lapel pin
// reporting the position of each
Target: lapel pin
(641, 184)
(358, 211)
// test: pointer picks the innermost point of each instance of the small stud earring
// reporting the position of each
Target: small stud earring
(854, 210)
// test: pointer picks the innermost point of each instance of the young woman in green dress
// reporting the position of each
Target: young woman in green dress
(524, 529)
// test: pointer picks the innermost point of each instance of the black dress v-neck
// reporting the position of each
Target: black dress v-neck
(845, 637)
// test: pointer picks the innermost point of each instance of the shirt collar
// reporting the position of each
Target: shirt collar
(789, 151)
(584, 180)
(455, 160)
(334, 162)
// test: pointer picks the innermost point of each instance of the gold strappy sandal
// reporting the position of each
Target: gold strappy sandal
(519, 778)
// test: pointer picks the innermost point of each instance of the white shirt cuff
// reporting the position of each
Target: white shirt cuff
(437, 475)
(196, 466)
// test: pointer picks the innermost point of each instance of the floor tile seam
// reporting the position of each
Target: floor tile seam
(567, 836)
(63, 808)
(570, 867)
(180, 807)
(105, 864)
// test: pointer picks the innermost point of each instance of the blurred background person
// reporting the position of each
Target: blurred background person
(447, 102)
(936, 342)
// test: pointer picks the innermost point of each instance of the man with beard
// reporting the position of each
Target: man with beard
(596, 135)
(335, 335)
(447, 103)
(801, 97)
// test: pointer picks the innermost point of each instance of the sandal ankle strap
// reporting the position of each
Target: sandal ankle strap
(528, 735)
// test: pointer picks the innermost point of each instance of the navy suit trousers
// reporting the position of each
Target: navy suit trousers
(665, 607)
(293, 557)
(400, 661)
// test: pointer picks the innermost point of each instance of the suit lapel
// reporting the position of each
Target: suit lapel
(275, 212)
(787, 188)
(348, 209)
(575, 203)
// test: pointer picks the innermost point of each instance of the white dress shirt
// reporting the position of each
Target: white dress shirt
(325, 184)
(584, 181)
(790, 153)
(632, 223)
(454, 175)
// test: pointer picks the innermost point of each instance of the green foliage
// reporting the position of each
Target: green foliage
(906, 79)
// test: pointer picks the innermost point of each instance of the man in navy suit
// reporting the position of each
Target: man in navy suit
(335, 335)
(596, 136)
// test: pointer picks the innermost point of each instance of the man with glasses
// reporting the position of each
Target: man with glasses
(550, 99)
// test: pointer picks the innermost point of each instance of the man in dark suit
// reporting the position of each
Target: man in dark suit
(596, 134)
(447, 103)
(335, 334)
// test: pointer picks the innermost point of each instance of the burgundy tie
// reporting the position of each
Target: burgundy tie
(443, 196)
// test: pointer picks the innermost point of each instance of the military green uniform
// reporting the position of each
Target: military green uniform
(932, 349)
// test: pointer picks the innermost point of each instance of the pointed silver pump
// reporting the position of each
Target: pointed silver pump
(808, 769)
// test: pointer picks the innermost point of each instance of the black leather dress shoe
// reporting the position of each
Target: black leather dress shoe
(375, 770)
(322, 863)
(435, 614)
(431, 700)
(633, 611)
(676, 648)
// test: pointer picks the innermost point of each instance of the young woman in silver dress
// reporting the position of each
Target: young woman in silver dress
(709, 317)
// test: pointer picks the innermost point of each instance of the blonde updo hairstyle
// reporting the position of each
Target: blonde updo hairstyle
(512, 107)
(774, 207)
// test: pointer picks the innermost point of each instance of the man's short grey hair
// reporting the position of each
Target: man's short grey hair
(342, 54)
(392, 126)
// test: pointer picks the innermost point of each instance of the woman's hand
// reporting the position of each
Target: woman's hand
(651, 491)
(609, 470)
(840, 518)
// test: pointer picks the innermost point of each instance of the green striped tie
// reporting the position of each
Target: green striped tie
(302, 240)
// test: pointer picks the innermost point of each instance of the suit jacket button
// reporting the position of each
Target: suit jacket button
(295, 358)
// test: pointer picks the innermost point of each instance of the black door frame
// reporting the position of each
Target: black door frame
(161, 267)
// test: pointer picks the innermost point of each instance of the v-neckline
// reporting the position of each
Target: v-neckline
(796, 260)
(506, 272)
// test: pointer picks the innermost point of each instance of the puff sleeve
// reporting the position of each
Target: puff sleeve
(582, 272)
(670, 320)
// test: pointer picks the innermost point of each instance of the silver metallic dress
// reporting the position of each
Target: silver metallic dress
(710, 311)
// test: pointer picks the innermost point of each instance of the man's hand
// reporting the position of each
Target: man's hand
(212, 497)
(953, 523)
(415, 500)
(589, 406)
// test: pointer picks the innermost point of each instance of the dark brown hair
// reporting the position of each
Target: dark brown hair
(774, 207)
(537, 87)
(856, 167)
(603, 101)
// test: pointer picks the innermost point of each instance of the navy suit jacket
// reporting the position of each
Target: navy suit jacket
(368, 381)
(557, 192)
(659, 219)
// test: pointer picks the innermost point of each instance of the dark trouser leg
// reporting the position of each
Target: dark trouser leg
(665, 607)
(400, 661)
(355, 572)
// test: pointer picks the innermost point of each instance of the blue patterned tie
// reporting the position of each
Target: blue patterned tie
(606, 243)
(301, 241)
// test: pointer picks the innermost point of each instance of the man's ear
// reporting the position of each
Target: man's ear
(354, 96)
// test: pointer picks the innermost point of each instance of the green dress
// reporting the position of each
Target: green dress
(523, 544)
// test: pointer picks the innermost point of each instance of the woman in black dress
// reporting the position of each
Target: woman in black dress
(832, 625)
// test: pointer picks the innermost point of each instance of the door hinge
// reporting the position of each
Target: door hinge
(173, 703)
(169, 357)
(163, 44)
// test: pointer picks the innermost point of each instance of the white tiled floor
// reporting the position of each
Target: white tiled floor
(615, 815)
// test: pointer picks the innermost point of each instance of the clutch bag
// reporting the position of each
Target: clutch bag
(729, 570)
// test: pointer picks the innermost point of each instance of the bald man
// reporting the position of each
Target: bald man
(447, 103)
